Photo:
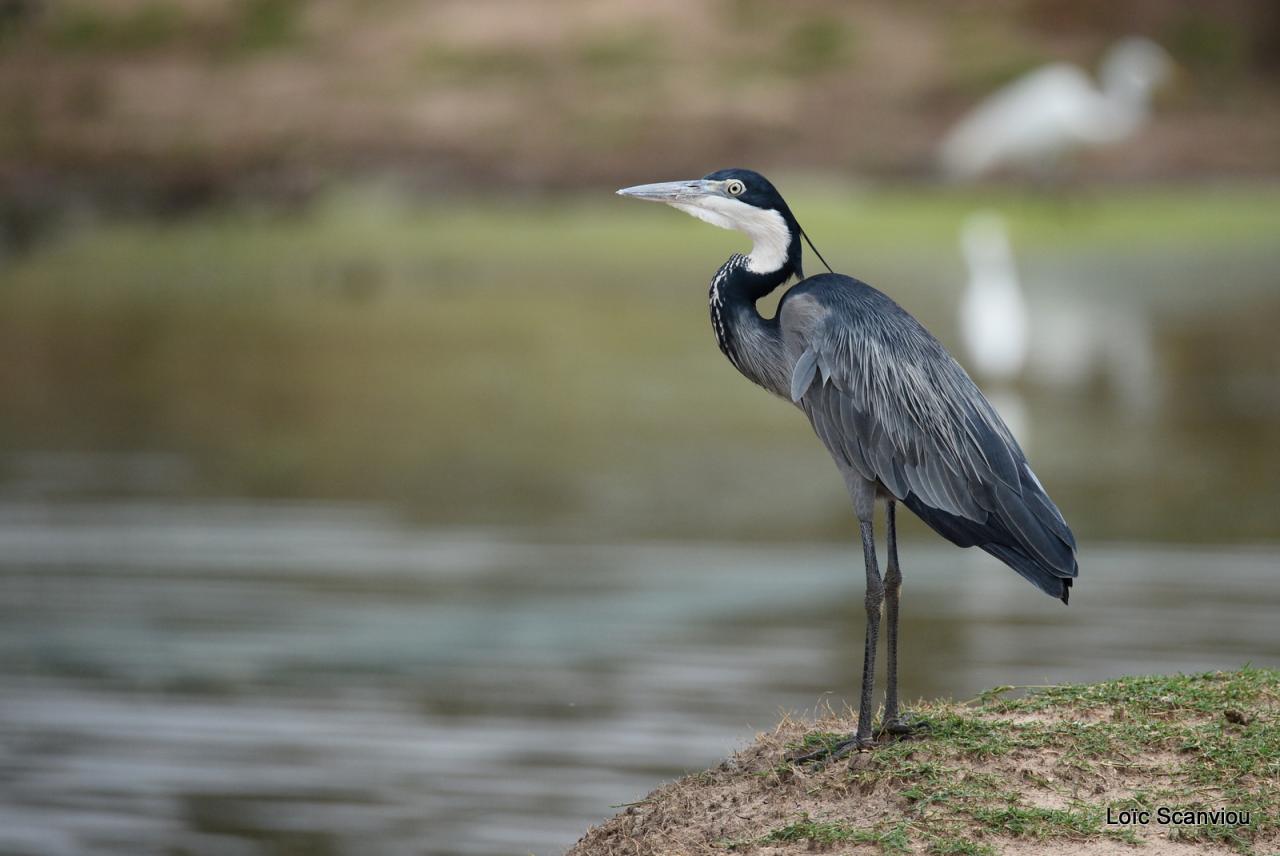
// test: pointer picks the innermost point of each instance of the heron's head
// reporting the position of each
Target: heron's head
(1135, 67)
(742, 200)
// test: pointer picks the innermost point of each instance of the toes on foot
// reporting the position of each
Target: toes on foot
(905, 726)
(835, 751)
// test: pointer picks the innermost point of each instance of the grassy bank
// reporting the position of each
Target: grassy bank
(1037, 773)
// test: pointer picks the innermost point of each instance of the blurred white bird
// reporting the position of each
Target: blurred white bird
(1031, 123)
(993, 314)
(1076, 339)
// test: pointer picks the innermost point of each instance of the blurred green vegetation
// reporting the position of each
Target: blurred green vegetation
(817, 44)
(85, 26)
(985, 53)
(268, 24)
(548, 361)
(624, 51)
(449, 63)
(244, 26)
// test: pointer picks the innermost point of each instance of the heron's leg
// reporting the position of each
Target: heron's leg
(874, 599)
(894, 721)
(864, 505)
(892, 589)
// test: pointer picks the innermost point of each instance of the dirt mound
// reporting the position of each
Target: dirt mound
(1053, 771)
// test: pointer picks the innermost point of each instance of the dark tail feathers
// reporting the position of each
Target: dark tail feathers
(1044, 578)
(997, 538)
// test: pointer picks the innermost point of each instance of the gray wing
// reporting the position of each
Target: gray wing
(891, 404)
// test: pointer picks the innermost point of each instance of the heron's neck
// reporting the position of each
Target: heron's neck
(751, 342)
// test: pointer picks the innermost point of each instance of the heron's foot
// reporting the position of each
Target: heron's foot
(904, 725)
(835, 751)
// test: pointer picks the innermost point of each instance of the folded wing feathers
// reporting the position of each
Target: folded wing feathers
(901, 410)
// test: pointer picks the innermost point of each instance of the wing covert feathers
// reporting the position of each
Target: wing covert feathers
(893, 406)
(802, 375)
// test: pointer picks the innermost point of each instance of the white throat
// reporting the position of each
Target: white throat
(770, 237)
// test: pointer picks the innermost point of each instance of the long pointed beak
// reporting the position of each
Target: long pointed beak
(672, 191)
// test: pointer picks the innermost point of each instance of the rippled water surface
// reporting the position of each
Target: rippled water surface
(234, 678)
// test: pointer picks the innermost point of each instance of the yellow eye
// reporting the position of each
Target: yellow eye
(735, 188)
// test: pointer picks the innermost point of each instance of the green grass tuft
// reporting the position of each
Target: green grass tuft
(816, 740)
(959, 847)
(892, 839)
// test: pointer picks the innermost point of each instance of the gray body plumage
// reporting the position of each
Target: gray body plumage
(895, 410)
(893, 407)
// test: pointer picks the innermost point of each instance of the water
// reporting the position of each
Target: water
(271, 678)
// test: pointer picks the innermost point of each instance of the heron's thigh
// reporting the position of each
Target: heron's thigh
(863, 493)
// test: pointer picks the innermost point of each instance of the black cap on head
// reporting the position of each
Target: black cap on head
(759, 192)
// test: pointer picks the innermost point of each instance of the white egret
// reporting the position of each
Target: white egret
(1031, 123)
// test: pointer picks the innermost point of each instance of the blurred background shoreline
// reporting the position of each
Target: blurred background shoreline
(173, 104)
(370, 480)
